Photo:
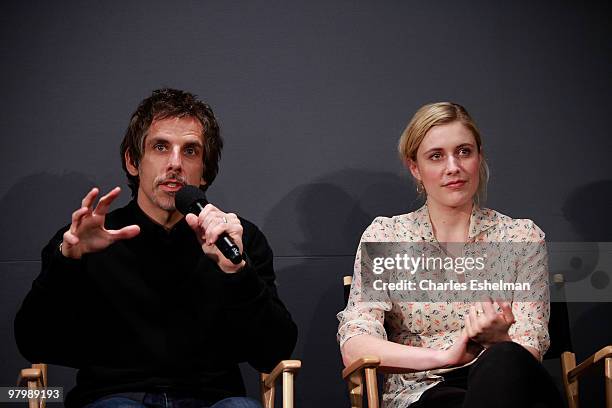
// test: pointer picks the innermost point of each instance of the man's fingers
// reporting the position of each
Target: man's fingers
(213, 233)
(211, 218)
(207, 214)
(70, 238)
(89, 199)
(232, 218)
(77, 216)
(105, 202)
(124, 233)
(192, 221)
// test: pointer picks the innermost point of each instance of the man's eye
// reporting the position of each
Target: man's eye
(435, 156)
(190, 151)
(159, 147)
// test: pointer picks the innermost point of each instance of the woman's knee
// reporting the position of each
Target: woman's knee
(508, 352)
(505, 359)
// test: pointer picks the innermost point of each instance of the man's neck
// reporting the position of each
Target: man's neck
(450, 224)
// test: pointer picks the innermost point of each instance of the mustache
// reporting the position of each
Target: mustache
(170, 176)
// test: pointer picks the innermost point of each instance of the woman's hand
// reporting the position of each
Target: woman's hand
(486, 326)
(462, 352)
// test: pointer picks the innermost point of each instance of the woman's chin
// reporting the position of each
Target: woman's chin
(455, 202)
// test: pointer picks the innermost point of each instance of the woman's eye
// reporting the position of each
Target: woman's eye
(435, 156)
(190, 151)
(465, 151)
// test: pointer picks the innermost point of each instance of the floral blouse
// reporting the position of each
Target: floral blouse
(437, 325)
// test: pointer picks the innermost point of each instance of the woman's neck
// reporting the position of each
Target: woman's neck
(450, 224)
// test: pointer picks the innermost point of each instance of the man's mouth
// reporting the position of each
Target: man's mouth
(171, 186)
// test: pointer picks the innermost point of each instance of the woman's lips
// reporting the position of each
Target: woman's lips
(455, 185)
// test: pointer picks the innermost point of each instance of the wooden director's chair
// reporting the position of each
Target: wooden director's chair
(363, 371)
(36, 377)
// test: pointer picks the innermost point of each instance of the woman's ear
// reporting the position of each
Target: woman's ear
(413, 167)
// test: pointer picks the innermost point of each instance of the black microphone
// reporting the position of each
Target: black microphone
(191, 199)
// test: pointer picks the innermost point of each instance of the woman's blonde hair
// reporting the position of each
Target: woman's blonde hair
(441, 113)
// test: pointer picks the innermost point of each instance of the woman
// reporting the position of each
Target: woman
(489, 352)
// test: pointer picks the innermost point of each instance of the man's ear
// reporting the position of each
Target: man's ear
(131, 166)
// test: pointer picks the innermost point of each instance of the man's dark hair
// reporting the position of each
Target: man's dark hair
(171, 103)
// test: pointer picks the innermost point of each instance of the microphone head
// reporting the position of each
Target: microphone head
(186, 200)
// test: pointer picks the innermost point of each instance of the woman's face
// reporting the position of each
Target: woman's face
(447, 163)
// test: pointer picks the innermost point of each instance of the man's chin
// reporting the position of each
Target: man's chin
(167, 204)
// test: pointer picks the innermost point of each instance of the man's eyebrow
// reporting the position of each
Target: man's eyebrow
(161, 139)
(156, 139)
(196, 142)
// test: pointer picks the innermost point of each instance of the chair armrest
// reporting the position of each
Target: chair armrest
(29, 374)
(589, 363)
(360, 364)
(285, 366)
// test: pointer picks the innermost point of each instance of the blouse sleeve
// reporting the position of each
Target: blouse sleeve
(361, 317)
(532, 310)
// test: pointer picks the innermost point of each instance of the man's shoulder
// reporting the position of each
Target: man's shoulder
(253, 238)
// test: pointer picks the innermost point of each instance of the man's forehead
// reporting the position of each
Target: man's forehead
(183, 126)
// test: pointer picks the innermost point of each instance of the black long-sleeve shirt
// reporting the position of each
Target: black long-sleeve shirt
(153, 313)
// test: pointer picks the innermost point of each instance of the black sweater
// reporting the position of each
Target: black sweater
(153, 313)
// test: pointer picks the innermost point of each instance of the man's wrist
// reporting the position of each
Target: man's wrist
(233, 268)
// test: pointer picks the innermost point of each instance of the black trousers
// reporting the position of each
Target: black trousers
(505, 375)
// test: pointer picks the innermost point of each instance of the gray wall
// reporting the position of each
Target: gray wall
(312, 97)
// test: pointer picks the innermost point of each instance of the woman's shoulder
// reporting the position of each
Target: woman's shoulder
(401, 226)
(515, 229)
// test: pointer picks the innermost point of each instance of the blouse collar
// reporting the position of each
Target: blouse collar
(481, 219)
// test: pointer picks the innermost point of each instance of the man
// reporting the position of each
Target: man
(140, 299)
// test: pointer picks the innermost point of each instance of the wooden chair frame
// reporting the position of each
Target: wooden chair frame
(369, 365)
(36, 377)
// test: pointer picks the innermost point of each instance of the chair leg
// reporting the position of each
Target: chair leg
(287, 390)
(33, 402)
(355, 385)
(267, 394)
(372, 387)
(608, 374)
(568, 361)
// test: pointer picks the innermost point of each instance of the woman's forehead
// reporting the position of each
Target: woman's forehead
(449, 135)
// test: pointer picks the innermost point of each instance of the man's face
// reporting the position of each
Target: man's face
(171, 158)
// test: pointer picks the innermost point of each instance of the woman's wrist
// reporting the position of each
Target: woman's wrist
(442, 359)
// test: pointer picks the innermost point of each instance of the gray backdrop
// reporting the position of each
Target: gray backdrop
(312, 97)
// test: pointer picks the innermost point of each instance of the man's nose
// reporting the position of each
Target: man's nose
(174, 160)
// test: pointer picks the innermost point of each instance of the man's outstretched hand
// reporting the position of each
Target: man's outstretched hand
(87, 233)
